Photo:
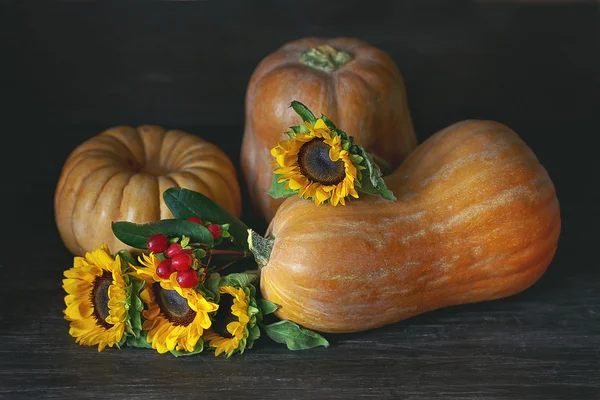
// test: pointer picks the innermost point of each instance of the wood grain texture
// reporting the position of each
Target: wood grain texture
(72, 69)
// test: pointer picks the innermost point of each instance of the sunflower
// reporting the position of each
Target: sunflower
(175, 317)
(234, 327)
(97, 299)
(316, 165)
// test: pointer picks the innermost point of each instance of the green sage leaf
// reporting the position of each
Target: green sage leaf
(294, 336)
(185, 203)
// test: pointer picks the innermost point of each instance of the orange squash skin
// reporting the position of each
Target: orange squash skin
(477, 218)
(121, 174)
(365, 97)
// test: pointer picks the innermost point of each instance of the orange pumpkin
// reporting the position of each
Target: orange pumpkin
(476, 219)
(355, 84)
(121, 174)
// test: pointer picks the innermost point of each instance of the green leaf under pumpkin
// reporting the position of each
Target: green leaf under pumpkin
(294, 336)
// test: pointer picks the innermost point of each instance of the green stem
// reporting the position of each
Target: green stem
(325, 58)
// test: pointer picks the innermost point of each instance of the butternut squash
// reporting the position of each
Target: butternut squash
(477, 218)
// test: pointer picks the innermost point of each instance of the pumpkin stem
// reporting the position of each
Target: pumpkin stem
(325, 58)
(261, 247)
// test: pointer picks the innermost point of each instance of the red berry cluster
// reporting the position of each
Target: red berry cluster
(178, 260)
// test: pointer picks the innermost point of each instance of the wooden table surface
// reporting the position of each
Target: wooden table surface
(73, 68)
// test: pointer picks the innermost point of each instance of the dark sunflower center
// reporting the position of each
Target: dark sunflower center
(99, 297)
(316, 165)
(224, 316)
(172, 306)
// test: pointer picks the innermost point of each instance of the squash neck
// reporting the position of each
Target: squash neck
(325, 58)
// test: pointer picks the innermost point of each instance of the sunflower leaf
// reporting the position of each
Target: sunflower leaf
(267, 307)
(185, 203)
(197, 349)
(136, 235)
(140, 341)
(278, 190)
(136, 306)
(239, 279)
(303, 112)
(294, 336)
(371, 180)
(328, 122)
(253, 334)
(126, 256)
(296, 130)
(212, 285)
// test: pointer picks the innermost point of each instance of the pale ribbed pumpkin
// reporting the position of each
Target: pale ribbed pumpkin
(476, 219)
(121, 174)
(355, 84)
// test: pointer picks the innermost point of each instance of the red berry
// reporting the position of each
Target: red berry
(164, 269)
(215, 229)
(173, 250)
(195, 219)
(181, 261)
(157, 243)
(187, 279)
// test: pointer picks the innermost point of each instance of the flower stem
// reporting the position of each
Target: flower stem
(242, 254)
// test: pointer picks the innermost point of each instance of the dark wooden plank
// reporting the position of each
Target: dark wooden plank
(73, 68)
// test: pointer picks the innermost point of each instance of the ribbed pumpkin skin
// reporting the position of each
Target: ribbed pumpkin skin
(477, 218)
(121, 174)
(365, 97)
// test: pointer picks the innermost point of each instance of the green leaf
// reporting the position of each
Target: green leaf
(212, 285)
(267, 307)
(328, 122)
(253, 334)
(136, 305)
(185, 203)
(132, 234)
(200, 253)
(372, 181)
(278, 190)
(240, 279)
(140, 341)
(136, 235)
(303, 112)
(298, 129)
(197, 349)
(126, 256)
(294, 336)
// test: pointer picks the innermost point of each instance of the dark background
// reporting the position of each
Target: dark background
(70, 69)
